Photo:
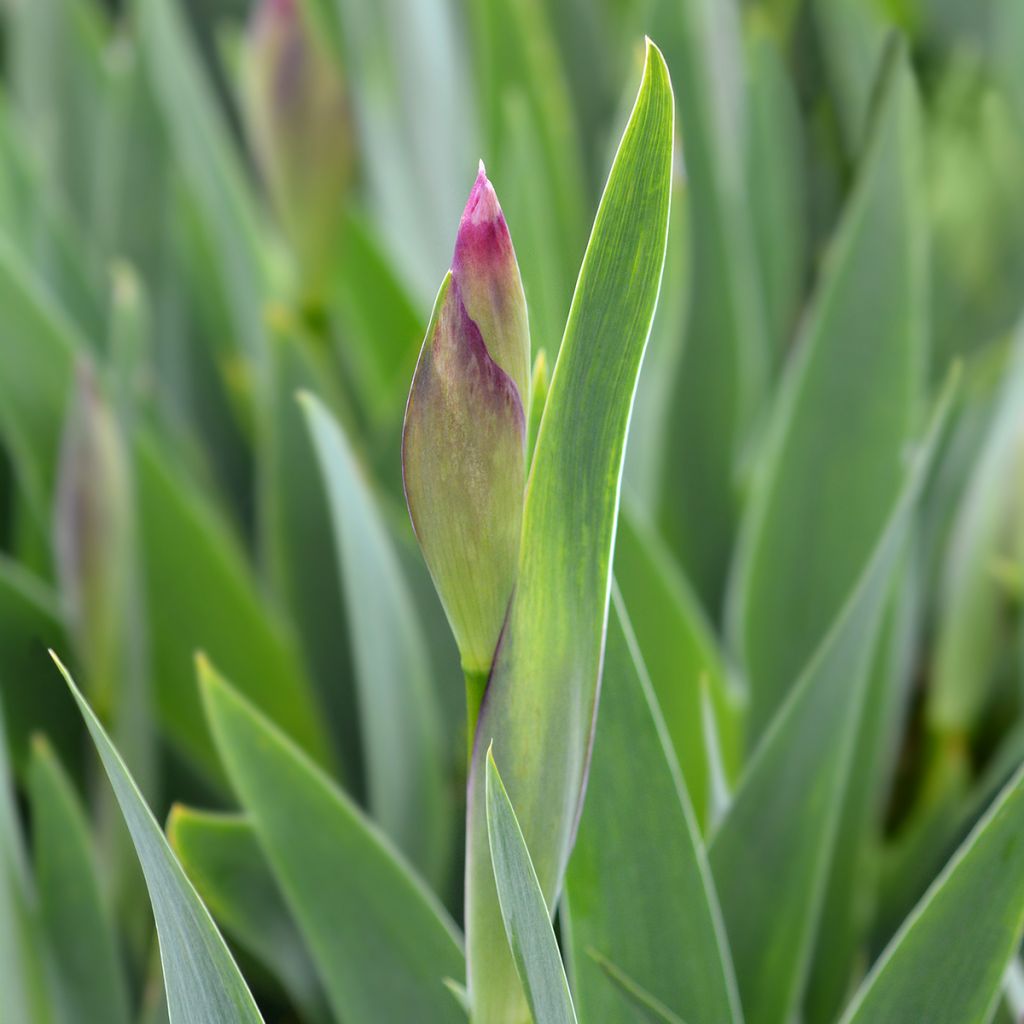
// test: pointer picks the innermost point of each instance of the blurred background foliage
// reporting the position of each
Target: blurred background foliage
(205, 210)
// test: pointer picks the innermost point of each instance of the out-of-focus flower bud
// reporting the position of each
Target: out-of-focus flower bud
(298, 121)
(92, 530)
(464, 444)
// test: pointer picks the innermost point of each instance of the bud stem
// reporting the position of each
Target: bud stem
(476, 684)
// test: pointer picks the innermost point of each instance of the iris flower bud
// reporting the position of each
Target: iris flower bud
(464, 443)
(298, 122)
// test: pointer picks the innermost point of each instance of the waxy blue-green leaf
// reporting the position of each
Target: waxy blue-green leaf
(681, 655)
(24, 977)
(201, 595)
(527, 922)
(986, 532)
(853, 36)
(381, 942)
(398, 709)
(30, 622)
(723, 370)
(213, 173)
(37, 346)
(222, 858)
(849, 403)
(646, 904)
(946, 963)
(771, 854)
(541, 698)
(78, 925)
(201, 979)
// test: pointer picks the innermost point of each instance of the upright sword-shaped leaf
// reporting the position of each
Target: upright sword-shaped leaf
(542, 695)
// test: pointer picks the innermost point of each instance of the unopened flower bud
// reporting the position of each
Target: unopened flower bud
(464, 444)
(92, 528)
(298, 122)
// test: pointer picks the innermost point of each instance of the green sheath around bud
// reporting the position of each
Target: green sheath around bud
(464, 443)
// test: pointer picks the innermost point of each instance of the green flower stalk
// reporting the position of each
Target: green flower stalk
(298, 121)
(464, 442)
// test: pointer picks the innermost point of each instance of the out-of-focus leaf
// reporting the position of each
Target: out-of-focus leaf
(772, 851)
(679, 650)
(297, 530)
(213, 173)
(201, 596)
(23, 969)
(986, 531)
(398, 710)
(853, 38)
(417, 144)
(946, 963)
(30, 622)
(222, 858)
(534, 152)
(1007, 28)
(775, 180)
(380, 940)
(201, 979)
(527, 924)
(847, 407)
(649, 907)
(540, 701)
(37, 346)
(77, 924)
(851, 894)
(722, 373)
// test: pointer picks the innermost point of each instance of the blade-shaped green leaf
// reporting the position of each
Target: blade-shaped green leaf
(399, 714)
(382, 943)
(23, 969)
(222, 857)
(771, 854)
(200, 595)
(946, 963)
(540, 701)
(77, 924)
(649, 907)
(213, 171)
(200, 977)
(679, 649)
(723, 370)
(30, 622)
(37, 346)
(847, 407)
(527, 924)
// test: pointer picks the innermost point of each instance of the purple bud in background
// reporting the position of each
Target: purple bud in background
(93, 531)
(299, 125)
(464, 443)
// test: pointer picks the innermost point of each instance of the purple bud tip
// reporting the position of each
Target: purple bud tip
(483, 234)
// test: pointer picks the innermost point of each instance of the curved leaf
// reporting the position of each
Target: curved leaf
(527, 924)
(200, 977)
(381, 943)
(649, 907)
(542, 695)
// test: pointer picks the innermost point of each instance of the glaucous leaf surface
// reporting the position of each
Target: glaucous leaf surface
(946, 963)
(78, 925)
(201, 980)
(849, 403)
(524, 910)
(541, 698)
(398, 709)
(638, 889)
(381, 941)
(770, 856)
